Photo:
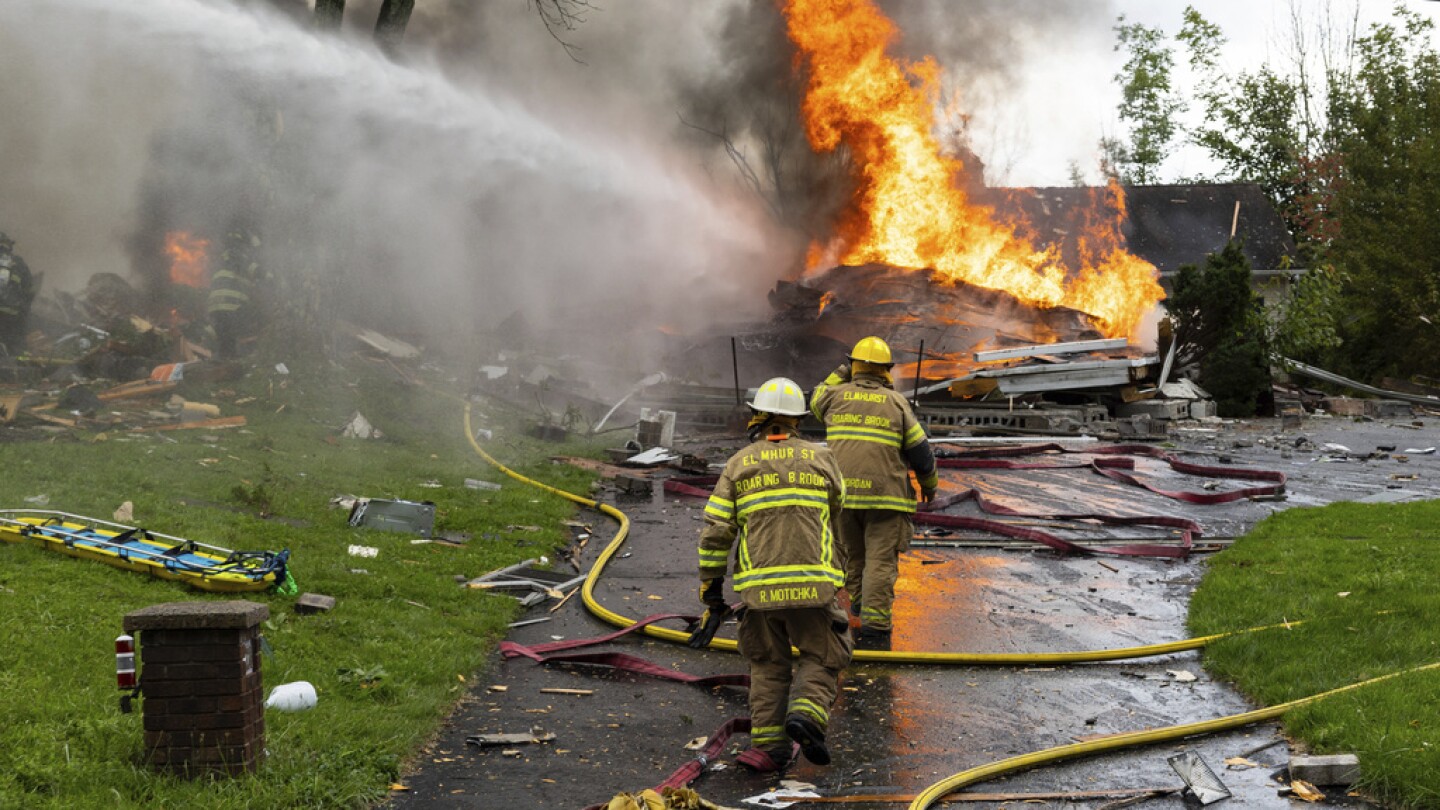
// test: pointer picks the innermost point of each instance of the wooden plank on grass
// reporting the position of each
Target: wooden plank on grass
(214, 424)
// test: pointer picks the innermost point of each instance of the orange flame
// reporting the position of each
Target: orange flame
(826, 300)
(910, 209)
(189, 261)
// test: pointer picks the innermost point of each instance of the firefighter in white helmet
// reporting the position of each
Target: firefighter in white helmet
(877, 441)
(779, 497)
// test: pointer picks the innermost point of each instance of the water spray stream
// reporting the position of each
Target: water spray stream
(434, 203)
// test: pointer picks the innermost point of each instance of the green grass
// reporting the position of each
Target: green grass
(1365, 580)
(389, 662)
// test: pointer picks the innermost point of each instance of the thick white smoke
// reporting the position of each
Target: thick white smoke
(434, 204)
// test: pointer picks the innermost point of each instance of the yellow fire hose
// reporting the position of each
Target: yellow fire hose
(973, 776)
(950, 784)
(587, 593)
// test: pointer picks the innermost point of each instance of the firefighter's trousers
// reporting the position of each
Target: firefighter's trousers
(873, 540)
(780, 685)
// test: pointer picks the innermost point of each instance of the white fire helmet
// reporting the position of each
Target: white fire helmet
(780, 395)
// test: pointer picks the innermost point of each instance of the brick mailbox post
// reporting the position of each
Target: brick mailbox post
(204, 705)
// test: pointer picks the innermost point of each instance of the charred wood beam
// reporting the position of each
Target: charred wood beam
(328, 14)
(390, 27)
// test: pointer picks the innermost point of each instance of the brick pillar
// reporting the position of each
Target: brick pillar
(204, 705)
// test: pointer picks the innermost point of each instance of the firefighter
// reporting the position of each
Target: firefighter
(780, 496)
(17, 291)
(875, 437)
(230, 305)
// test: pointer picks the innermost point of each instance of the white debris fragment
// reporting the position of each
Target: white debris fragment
(784, 797)
(360, 428)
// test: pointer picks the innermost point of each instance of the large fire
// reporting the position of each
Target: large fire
(910, 208)
(189, 258)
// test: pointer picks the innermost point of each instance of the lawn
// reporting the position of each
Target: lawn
(1364, 580)
(389, 662)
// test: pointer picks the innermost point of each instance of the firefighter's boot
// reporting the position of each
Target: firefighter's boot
(810, 737)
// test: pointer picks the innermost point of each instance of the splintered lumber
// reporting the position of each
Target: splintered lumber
(54, 420)
(215, 424)
(9, 406)
(973, 387)
(510, 739)
(136, 389)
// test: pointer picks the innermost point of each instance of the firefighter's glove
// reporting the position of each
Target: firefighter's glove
(712, 593)
(928, 486)
(703, 631)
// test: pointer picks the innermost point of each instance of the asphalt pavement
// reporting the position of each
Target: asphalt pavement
(899, 728)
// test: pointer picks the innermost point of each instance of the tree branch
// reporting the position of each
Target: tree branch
(741, 163)
(563, 15)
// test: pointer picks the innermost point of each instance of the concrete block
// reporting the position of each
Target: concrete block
(634, 484)
(1202, 408)
(656, 428)
(1388, 409)
(1343, 406)
(314, 603)
(1155, 409)
(1134, 426)
(1330, 769)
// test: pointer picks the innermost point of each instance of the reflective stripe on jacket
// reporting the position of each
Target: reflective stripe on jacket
(780, 499)
(876, 438)
(227, 292)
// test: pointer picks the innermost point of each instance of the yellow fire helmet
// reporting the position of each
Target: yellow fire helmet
(781, 396)
(872, 350)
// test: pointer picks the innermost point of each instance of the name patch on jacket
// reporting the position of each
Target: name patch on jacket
(788, 594)
(866, 396)
(776, 454)
(860, 419)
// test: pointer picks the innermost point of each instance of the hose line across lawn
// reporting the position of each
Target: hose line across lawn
(587, 593)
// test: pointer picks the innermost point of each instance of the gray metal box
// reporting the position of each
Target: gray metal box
(411, 517)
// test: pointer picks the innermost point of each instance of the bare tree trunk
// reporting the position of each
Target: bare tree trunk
(328, 14)
(390, 27)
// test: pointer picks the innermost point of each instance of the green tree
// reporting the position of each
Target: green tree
(1385, 122)
(1306, 323)
(1220, 325)
(1148, 104)
(1252, 122)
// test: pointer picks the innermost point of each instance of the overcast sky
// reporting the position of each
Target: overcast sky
(1069, 97)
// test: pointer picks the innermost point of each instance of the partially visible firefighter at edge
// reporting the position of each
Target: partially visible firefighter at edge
(17, 291)
(780, 497)
(232, 310)
(877, 440)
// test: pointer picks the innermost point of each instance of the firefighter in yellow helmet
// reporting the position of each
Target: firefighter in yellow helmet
(877, 441)
(779, 498)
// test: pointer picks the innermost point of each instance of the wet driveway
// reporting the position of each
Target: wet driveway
(899, 728)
